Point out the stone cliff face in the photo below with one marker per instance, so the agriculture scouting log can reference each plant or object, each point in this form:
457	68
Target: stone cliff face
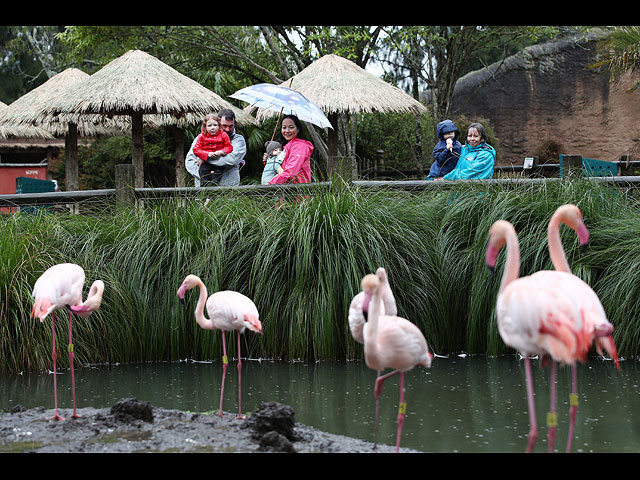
549	92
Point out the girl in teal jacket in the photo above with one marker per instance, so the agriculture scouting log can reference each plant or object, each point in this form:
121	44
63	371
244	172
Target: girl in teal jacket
477	157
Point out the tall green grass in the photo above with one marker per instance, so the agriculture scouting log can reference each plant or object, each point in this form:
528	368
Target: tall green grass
302	264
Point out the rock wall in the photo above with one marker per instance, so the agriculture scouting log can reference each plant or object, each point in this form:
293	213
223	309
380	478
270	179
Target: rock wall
548	92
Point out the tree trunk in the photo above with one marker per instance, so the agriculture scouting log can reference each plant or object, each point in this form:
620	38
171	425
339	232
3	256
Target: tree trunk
181	173
332	144
71	157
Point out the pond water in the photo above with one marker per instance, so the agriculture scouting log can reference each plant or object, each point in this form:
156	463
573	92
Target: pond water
470	404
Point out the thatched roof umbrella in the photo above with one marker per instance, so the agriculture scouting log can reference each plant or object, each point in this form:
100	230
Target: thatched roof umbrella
12	130
338	85
30	109
136	84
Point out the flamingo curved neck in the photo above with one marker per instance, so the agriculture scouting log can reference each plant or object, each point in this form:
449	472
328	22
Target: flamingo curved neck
556	251
371	327
512	264
204	322
389	300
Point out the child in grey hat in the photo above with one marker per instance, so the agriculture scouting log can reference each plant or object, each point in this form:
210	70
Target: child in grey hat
273	165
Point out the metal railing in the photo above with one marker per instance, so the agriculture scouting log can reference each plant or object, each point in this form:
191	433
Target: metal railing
72	200
126	193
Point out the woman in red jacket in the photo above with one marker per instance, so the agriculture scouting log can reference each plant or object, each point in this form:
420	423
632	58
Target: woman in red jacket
296	165
210	144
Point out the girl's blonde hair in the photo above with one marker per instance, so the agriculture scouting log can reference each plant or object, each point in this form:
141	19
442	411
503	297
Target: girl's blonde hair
210	116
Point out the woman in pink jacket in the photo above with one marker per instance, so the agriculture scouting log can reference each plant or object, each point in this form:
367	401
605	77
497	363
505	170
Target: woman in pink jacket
297	161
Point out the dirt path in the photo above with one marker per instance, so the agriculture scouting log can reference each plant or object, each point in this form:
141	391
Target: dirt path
134	426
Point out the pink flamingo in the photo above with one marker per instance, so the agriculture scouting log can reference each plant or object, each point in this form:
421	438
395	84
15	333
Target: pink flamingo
57	288
228	310
390	342
541	314
598	325
357	321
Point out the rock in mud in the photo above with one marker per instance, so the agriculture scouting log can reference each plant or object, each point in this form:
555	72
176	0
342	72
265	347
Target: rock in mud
129	410
273	426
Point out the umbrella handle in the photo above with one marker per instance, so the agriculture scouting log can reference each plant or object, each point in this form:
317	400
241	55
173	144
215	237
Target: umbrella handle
280	116
276	127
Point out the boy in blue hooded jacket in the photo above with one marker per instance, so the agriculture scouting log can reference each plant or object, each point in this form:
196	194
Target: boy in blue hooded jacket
447	150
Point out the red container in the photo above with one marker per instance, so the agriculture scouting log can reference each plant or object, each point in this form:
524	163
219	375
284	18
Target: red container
10	171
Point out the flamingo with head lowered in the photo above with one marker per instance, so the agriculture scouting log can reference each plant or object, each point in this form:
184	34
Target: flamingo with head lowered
58	288
228	311
390	342
549	313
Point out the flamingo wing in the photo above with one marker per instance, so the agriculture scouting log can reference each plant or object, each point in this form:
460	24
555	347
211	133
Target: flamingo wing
356	318
401	343
58	287
544	314
231	310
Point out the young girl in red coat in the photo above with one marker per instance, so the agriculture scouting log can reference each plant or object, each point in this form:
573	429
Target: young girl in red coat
211	144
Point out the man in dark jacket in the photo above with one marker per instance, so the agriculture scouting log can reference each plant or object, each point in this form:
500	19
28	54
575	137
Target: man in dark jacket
447	150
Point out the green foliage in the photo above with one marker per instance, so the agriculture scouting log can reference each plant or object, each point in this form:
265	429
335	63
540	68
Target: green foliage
395	134
302	264
620	52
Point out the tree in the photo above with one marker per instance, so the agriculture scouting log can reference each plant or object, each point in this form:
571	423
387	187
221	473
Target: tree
620	52
436	56
253	54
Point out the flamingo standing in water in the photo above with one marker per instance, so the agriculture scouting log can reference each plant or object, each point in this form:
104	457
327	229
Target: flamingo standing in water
549	313
390	342
598	325
357	321
228	310
57	288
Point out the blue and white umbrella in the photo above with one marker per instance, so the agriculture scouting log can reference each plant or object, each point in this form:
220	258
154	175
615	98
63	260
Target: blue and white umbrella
284	100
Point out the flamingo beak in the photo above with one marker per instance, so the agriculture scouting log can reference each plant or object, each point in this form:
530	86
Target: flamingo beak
181	291
583	237
365	305
490	258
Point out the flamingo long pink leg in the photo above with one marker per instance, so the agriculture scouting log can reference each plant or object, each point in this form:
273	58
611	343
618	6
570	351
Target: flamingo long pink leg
239	380
573	401
54	356
73	379
225	364
402	408
533	426
377	414
377	391
552	417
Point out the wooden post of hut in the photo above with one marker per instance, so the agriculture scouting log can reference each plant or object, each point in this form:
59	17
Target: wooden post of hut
332	144
345	168
71	157
181	172
125	180
137	150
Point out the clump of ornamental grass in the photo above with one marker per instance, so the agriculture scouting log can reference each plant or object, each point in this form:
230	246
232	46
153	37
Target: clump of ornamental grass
302	264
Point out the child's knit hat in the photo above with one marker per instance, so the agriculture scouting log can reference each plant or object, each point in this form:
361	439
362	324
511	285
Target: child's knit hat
271	146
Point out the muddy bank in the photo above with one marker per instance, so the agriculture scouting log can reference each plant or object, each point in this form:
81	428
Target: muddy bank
132	426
